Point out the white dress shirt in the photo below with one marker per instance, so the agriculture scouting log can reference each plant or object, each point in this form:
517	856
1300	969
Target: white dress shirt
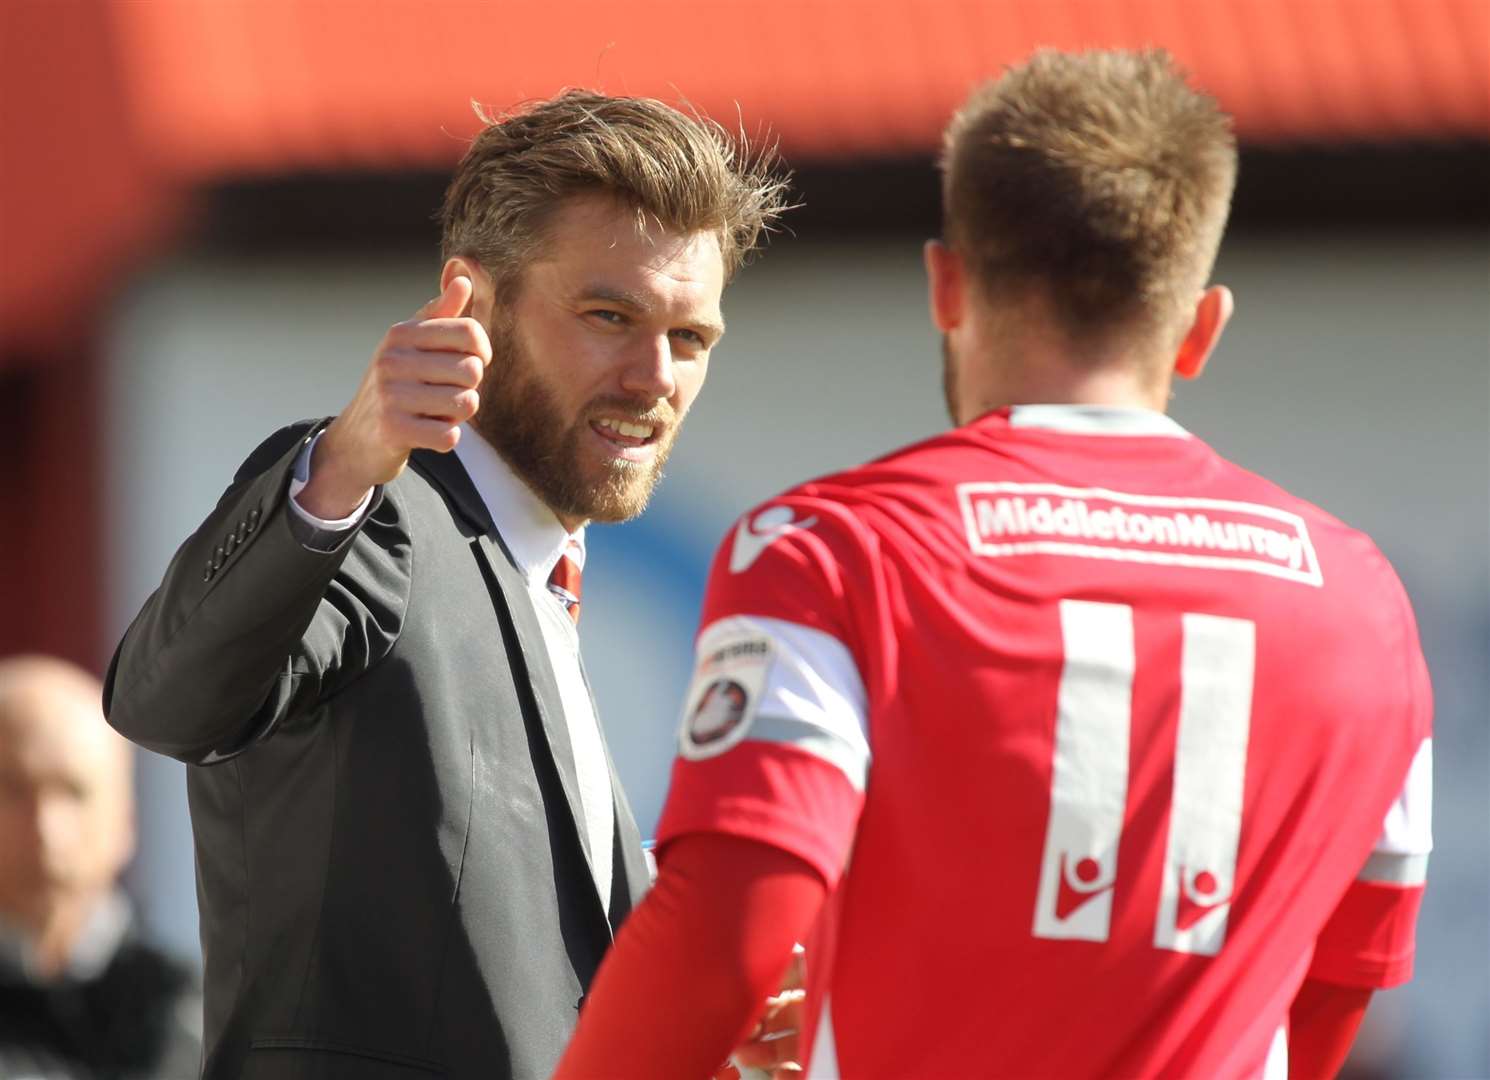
536	539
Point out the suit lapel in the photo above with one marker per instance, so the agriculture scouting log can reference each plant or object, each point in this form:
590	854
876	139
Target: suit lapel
446	471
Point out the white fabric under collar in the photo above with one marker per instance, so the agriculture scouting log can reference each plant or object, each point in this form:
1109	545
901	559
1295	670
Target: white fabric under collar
532	533
1095	420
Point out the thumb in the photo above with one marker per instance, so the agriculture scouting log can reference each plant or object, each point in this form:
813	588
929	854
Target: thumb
451	303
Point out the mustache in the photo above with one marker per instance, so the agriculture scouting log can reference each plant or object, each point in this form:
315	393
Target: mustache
653	412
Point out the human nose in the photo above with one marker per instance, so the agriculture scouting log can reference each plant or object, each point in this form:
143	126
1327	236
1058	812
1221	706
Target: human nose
649	369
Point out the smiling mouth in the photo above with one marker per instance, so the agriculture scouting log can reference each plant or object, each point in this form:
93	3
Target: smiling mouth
627	433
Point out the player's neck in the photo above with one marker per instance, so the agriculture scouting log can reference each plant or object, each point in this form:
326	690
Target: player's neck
1032	368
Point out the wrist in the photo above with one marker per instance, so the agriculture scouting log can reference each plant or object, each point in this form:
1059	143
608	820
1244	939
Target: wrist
332	491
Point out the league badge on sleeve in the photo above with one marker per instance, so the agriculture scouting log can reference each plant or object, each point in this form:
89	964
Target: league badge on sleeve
718	712
728	681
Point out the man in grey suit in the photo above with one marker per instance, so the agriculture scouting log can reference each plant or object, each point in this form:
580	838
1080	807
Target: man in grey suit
412	849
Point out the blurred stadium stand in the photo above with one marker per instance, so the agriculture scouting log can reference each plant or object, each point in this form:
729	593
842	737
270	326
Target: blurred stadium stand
171	151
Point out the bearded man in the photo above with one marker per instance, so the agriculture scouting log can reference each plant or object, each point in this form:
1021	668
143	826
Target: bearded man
412	848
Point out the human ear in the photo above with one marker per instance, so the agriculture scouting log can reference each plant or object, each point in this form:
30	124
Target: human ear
482	289
946	280
1212	312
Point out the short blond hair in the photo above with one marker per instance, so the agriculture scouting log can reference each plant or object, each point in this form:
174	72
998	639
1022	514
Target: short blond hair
1101	176
682	171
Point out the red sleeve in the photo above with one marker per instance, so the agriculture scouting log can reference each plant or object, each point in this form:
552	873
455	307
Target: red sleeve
1370	937
1322	1024
774	744
693	965
1369	940
769	792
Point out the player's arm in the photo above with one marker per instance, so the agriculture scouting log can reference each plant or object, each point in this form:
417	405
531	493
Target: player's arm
1369	941
253	624
703	951
762	810
1322	1025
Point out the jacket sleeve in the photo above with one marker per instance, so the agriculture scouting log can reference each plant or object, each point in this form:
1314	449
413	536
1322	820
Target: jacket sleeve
250	629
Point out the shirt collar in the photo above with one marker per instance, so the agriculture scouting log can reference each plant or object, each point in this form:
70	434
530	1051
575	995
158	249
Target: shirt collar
532	532
1095	420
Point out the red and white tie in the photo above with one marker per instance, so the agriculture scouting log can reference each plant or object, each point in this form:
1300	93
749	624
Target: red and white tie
564	581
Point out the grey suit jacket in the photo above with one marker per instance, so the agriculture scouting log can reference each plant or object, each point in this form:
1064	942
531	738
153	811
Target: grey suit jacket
391	865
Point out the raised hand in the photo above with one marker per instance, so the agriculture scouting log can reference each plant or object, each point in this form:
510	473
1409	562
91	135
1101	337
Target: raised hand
417	391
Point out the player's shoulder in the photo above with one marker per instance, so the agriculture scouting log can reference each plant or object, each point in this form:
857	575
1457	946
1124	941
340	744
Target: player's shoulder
842	506
1350	560
1362	591
1326	525
817	522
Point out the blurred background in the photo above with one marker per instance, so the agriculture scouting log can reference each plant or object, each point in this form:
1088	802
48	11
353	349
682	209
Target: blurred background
211	210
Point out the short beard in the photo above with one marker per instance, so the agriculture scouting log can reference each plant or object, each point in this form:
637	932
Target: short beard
521	419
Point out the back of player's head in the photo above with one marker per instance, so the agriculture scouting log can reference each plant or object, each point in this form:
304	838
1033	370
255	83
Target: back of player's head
682	171
1100	176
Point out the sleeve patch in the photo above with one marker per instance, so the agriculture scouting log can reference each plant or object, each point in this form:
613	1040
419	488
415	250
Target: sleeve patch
729	680
775	681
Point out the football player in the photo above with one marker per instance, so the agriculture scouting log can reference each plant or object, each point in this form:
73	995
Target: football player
1072	748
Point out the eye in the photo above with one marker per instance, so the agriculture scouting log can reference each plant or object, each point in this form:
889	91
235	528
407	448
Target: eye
606	316
692	338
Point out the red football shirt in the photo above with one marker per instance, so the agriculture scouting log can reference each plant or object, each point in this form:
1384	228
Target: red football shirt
1103	742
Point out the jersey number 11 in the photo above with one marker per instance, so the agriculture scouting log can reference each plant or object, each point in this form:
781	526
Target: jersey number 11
1089	785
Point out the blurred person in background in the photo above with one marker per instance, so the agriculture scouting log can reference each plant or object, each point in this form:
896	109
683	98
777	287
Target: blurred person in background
412	847
1095	754
80	995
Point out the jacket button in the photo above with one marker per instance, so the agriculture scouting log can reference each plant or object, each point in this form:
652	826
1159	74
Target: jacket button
253	519
230	543
217	557
207	573
242	533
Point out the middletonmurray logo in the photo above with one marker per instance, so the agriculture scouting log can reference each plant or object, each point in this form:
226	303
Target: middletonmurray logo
1093	523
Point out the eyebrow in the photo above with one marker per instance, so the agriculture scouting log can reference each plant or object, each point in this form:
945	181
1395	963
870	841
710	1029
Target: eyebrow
641	304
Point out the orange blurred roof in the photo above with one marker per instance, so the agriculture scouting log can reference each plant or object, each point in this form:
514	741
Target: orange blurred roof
251	85
114	108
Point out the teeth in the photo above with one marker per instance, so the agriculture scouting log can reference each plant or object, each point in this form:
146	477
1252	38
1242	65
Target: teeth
630	430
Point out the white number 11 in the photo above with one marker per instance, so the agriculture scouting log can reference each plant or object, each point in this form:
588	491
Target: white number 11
1089	784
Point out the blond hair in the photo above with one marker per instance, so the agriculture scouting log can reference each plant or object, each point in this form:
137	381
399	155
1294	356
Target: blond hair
682	171
1101	176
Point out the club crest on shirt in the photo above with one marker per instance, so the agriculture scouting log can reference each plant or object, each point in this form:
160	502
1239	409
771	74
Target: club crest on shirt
728	681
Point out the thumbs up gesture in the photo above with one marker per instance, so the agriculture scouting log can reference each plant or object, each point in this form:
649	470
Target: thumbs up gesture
418	390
